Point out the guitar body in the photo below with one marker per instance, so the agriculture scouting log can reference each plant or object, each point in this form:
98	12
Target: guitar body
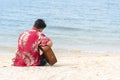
49	55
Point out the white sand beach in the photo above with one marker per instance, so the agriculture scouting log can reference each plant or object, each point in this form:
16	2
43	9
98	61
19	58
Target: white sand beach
77	66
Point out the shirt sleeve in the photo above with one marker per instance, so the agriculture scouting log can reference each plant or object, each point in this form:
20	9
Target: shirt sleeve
43	40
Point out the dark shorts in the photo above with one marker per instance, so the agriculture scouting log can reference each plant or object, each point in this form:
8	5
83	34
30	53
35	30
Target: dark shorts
43	61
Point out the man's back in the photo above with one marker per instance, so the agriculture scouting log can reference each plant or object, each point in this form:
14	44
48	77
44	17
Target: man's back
28	41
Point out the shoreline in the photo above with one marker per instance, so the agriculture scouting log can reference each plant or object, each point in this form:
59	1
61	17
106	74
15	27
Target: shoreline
12	50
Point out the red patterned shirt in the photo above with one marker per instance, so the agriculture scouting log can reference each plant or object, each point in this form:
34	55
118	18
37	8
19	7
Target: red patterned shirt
27	53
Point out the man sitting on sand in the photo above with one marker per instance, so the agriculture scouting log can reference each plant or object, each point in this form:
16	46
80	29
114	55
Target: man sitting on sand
28	42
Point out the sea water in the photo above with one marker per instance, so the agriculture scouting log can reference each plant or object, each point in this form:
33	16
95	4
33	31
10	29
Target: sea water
90	25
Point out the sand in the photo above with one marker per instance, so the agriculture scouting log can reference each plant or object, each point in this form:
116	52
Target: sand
77	66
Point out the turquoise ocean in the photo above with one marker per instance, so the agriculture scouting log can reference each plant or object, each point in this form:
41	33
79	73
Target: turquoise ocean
77	25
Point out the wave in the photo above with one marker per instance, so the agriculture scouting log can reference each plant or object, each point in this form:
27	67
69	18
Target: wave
65	28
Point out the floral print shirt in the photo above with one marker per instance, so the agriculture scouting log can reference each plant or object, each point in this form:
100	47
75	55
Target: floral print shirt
27	51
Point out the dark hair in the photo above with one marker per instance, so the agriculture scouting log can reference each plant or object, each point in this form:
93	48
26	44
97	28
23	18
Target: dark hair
40	24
